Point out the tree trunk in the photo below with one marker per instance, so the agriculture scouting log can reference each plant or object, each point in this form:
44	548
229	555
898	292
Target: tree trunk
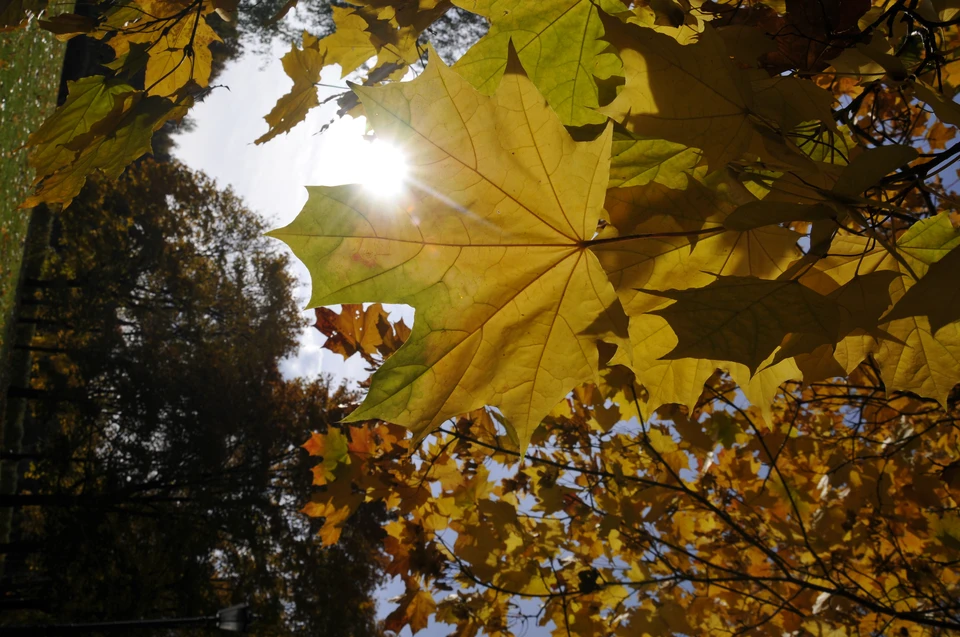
29	393
43	322
8	548
13	501
42	350
11	456
49	284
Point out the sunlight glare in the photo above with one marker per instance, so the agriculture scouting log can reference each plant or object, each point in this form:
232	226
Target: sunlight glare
384	168
351	156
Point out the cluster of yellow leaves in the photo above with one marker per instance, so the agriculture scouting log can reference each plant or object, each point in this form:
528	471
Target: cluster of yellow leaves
162	59
836	513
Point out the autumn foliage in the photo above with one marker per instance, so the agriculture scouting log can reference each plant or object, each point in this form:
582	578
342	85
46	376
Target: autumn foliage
685	278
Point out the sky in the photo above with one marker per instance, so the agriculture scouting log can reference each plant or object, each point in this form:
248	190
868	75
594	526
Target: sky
271	178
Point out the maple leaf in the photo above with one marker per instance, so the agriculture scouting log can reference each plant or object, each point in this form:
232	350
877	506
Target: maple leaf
679	240
351	44
181	54
935	296
416	607
332	448
510	302
103	126
638	161
559	43
743	319
352	330
89	100
334	518
689	94
790	101
303	66
666	381
911	357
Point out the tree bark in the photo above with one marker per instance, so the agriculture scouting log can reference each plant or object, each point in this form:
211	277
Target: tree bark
29	393
8	548
41	350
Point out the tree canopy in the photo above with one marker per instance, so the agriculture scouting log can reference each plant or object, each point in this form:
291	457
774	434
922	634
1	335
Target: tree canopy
687	334
165	470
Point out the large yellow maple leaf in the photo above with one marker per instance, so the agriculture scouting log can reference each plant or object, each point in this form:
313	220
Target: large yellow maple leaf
490	246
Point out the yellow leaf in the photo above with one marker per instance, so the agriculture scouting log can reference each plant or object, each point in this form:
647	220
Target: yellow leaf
353	330
303	66
912	358
790	101
181	54
743	319
668	450
85	139
334	518
919	360
510	302
666	381
416	608
351	44
89	100
691	94
761	388
669	224
935	296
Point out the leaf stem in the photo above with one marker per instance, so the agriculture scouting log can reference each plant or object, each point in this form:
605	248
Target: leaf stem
653	235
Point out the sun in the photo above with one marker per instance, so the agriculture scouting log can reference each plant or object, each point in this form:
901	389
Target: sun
384	168
348	154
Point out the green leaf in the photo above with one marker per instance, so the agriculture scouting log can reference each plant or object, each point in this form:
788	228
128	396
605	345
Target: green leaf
103	127
639	161
559	43
89	100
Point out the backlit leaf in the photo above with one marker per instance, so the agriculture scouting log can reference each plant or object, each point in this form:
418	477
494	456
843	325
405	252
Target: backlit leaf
87	135
936	295
181	54
510	305
303	66
691	94
743	319
559	43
